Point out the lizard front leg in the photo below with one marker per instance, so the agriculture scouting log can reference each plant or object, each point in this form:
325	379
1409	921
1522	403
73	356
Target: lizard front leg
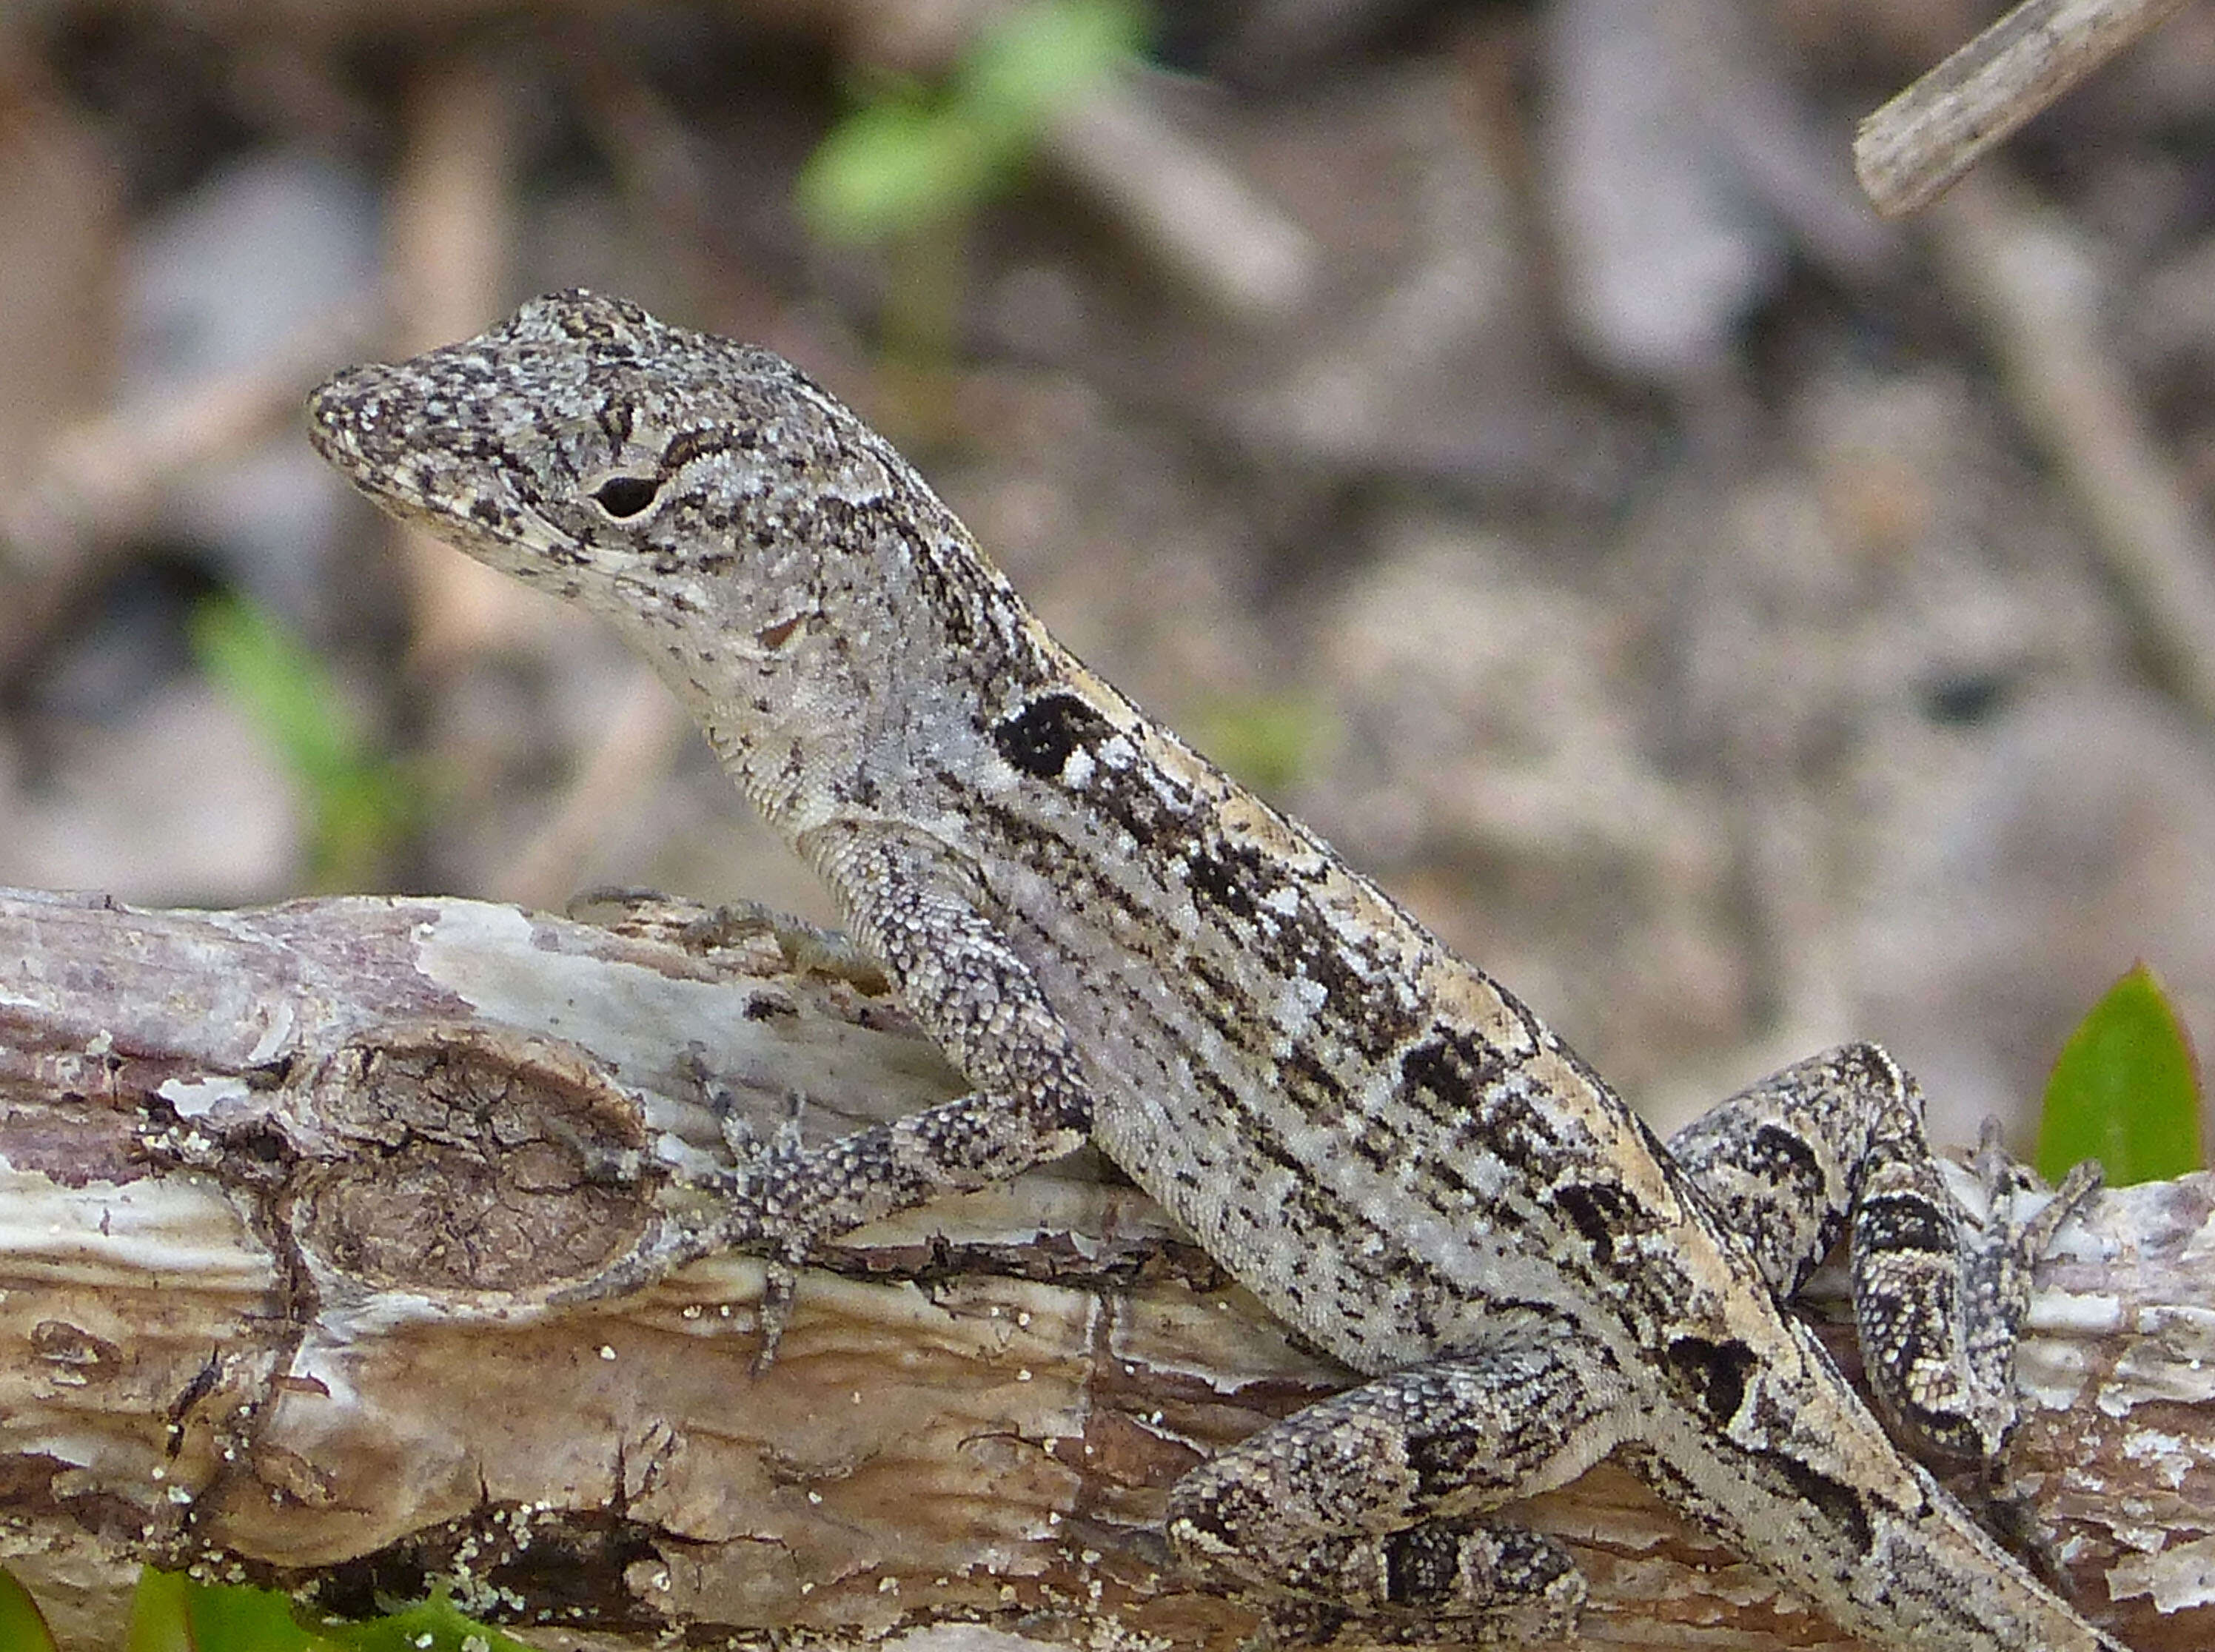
1837	1141
979	1001
1370	1508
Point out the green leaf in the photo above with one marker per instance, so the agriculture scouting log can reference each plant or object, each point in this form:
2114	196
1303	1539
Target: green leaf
1043	56
2125	1090
232	1618
903	161
891	168
170	1612
22	1628
435	1625
159	1620
359	803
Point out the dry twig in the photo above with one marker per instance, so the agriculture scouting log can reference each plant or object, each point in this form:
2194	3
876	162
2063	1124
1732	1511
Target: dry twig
1912	149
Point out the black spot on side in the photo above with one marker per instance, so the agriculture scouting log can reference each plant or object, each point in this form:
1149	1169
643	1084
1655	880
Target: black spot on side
1600	1213
1902	1221
1373	1018
1442	1459
1450	1458
1422	1567
1453	1079
1713	1372
1220	1003
939	584
1937	1435
1440	1171
1838	1501
1451	1067
1781	1157
1039	739
1227	877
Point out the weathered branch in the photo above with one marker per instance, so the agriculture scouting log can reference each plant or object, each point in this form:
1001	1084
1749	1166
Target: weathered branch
1916	147
315	1224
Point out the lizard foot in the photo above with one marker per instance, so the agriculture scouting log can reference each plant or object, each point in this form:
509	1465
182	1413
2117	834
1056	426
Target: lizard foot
1535	1596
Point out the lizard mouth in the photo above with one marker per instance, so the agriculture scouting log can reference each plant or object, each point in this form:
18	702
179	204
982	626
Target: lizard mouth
342	411
384	440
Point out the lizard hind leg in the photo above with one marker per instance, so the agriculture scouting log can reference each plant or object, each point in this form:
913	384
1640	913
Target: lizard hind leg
1780	1160
1366	1515
2006	1253
1835	1144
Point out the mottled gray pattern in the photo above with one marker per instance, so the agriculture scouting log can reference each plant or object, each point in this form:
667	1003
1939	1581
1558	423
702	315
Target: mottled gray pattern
1115	941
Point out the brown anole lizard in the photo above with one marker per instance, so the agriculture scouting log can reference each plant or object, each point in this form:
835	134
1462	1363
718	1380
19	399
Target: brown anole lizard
1114	942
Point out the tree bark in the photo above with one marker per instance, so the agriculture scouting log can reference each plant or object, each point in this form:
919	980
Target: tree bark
327	1240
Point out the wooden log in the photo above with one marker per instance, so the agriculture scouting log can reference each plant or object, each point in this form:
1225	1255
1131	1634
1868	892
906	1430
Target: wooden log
327	1261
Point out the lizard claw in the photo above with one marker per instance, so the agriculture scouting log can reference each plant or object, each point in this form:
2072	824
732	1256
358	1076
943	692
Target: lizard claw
780	1280
2003	1177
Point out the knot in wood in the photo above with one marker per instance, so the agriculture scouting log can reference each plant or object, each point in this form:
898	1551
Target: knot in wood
465	1160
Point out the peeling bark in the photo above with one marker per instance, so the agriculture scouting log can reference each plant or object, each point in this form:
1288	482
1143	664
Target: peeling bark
321	1231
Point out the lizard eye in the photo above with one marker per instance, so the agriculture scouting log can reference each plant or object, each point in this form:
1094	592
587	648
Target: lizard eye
626	496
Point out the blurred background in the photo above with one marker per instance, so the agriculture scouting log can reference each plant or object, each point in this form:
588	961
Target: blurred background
1500	432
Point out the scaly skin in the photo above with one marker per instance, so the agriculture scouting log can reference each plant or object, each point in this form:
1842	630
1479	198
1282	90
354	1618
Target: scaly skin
1113	939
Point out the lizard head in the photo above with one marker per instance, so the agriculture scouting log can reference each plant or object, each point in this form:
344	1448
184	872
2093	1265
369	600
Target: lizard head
703	495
